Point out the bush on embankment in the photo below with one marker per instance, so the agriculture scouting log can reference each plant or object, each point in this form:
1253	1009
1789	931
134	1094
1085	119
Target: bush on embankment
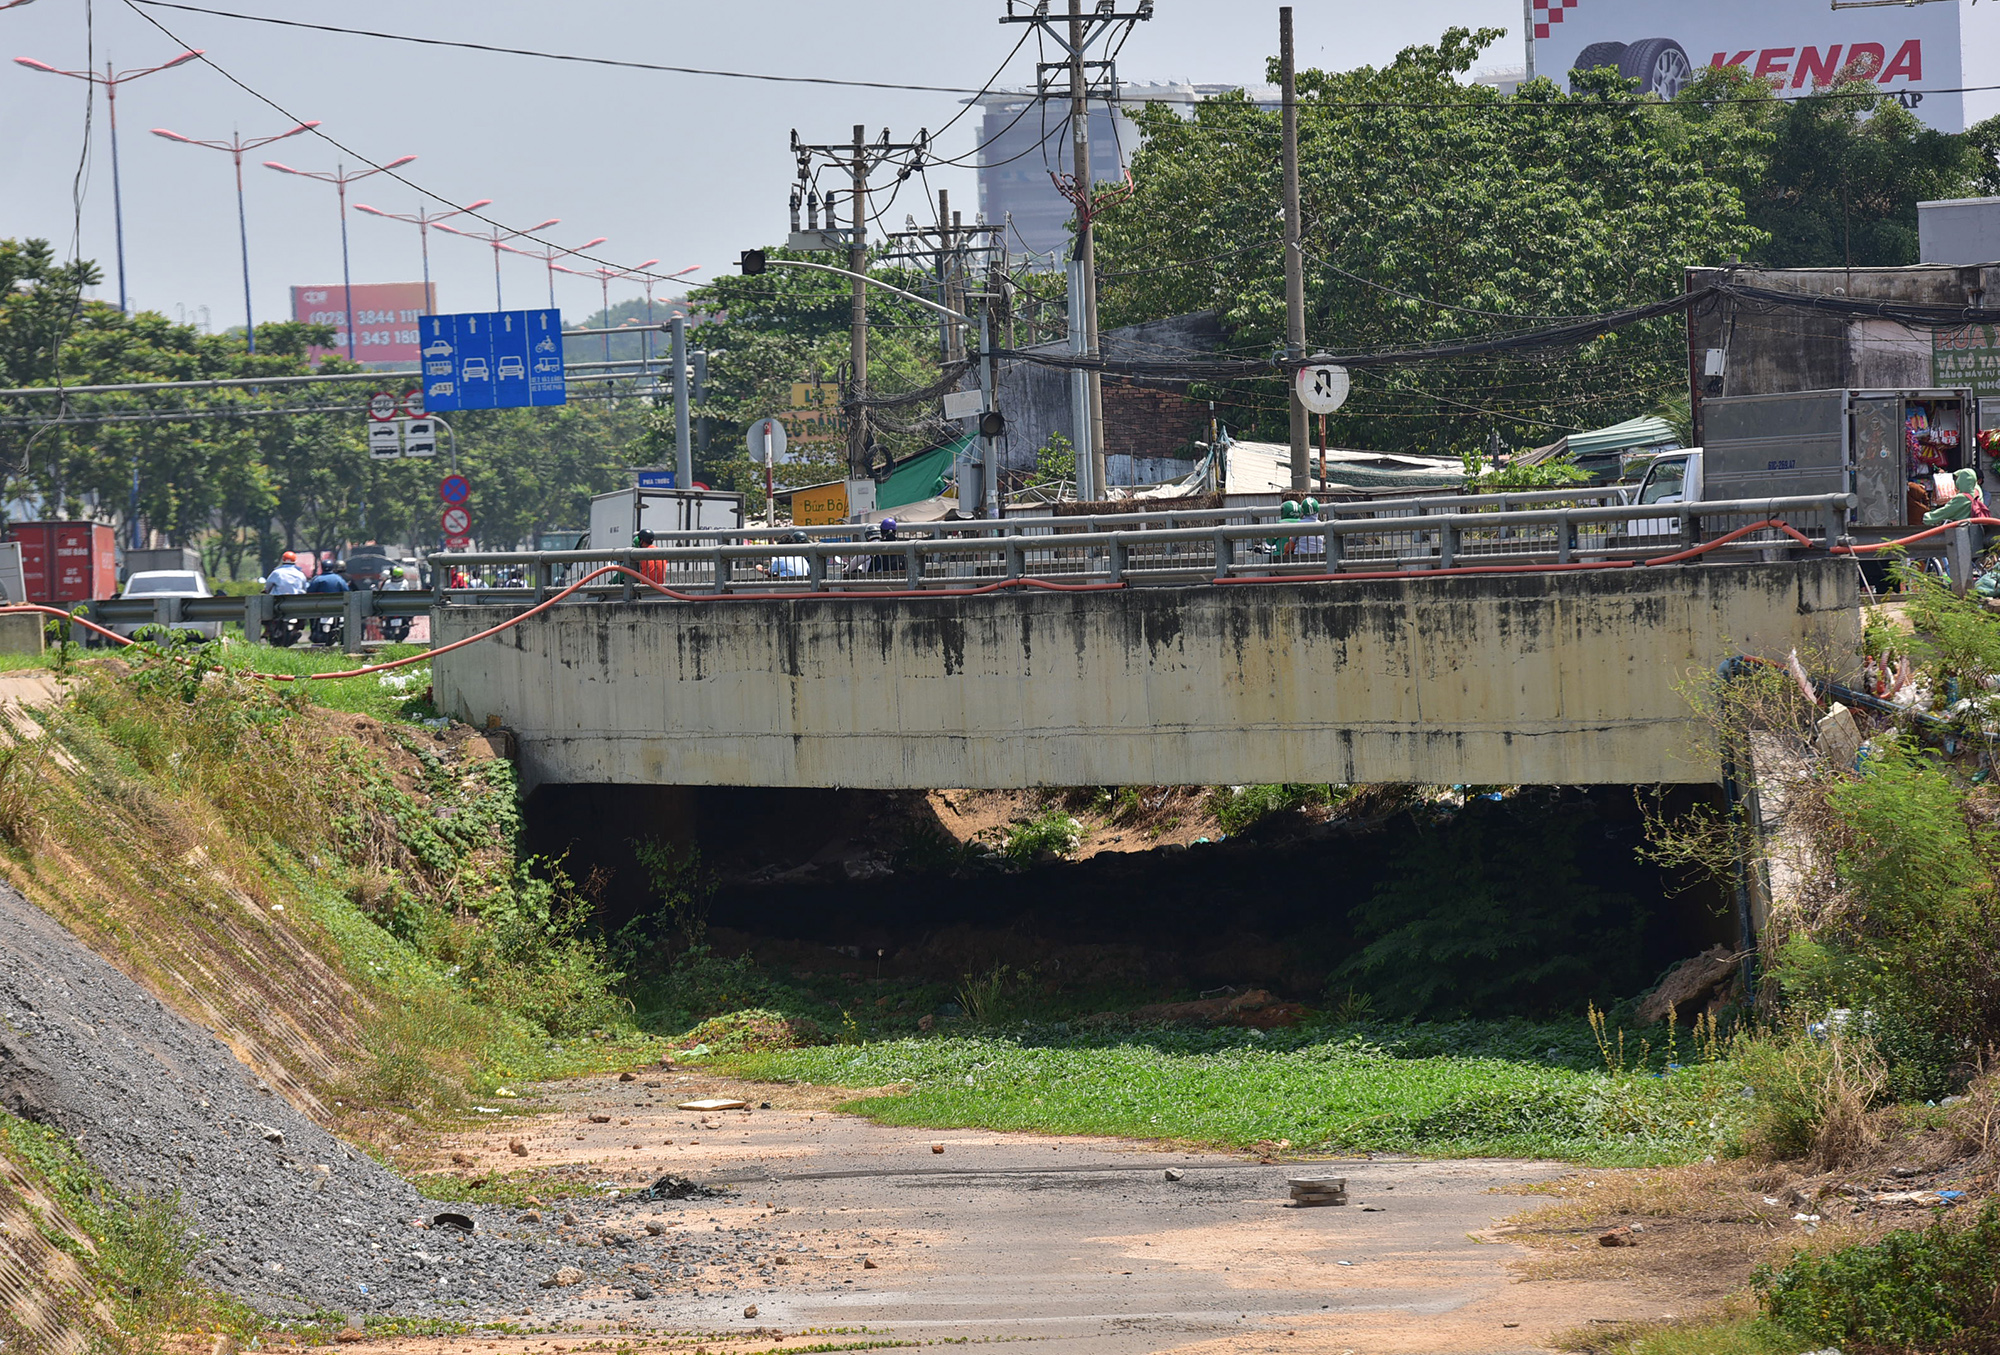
341	899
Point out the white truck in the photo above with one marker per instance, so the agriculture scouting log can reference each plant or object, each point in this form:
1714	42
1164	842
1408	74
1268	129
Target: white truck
1883	446
617	517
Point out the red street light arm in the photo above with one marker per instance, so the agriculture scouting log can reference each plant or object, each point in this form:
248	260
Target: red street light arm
97	79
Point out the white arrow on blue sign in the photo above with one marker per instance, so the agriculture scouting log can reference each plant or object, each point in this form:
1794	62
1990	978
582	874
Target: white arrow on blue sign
492	360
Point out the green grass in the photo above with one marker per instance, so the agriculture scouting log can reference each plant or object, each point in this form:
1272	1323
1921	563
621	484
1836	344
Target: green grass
396	695
1226	1089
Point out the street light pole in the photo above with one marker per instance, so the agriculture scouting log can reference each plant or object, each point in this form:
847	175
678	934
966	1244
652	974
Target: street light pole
111	80
423	221
607	276
549	254
236	146
498	238
340	178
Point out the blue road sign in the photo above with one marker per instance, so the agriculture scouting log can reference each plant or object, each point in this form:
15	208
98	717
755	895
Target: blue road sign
656	479
492	360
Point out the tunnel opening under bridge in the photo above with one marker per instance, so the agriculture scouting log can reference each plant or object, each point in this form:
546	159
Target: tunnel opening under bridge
1402	903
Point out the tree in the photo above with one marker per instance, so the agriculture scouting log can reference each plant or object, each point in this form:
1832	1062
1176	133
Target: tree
1845	171
1436	211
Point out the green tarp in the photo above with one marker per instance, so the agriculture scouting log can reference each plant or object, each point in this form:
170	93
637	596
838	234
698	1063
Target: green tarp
923	476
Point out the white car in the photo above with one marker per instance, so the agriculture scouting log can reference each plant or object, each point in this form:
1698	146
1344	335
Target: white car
476	370
169	583
513	367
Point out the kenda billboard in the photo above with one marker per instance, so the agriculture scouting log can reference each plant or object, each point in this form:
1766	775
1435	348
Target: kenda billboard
1910	50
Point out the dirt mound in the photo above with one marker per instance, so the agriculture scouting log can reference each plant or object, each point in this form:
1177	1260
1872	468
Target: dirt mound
747	1031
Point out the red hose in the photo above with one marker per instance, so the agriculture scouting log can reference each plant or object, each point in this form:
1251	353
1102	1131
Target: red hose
1007	584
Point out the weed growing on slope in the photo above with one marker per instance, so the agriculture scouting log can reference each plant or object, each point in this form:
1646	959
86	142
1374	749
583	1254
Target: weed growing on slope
141	1250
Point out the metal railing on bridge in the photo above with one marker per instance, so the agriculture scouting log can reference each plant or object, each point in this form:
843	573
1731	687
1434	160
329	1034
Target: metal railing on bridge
1176	547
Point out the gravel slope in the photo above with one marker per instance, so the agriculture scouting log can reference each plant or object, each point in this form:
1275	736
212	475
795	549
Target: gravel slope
293	1220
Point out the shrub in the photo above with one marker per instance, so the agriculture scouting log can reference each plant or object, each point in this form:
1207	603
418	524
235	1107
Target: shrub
1811	1094
1238	809
1051	831
1932	1290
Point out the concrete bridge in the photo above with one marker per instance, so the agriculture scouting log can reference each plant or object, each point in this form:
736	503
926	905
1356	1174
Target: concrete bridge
1426	678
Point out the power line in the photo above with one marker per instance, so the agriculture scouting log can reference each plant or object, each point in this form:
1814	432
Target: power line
560	56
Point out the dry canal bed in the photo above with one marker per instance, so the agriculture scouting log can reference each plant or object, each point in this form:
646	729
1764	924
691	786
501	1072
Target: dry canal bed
1075	1244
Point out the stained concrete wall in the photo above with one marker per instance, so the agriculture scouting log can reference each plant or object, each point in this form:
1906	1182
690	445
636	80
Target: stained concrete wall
1525	679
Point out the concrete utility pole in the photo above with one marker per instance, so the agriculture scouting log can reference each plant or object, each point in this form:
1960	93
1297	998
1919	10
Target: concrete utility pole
1086	248
1076	35
1295	260
683	445
857	341
1528	27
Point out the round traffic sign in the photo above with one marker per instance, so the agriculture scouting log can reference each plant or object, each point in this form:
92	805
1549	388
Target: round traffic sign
456	521
1324	388
381	406
413	403
767	441
456	542
454	489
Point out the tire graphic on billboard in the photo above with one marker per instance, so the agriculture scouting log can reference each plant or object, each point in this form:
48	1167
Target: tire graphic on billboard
1660	65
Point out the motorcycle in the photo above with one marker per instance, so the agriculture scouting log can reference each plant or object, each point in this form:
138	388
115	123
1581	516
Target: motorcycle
326	630
283	631
395	629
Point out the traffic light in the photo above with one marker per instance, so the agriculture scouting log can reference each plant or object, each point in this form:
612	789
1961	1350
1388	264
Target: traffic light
753	263
992	424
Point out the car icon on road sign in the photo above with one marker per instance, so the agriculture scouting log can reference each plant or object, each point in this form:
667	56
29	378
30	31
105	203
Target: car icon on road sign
475	370
438	348
513	368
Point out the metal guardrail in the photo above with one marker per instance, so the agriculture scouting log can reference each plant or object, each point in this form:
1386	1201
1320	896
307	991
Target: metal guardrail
1158	549
354	608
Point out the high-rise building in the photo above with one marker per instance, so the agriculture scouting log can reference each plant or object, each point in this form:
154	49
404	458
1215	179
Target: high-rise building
1023	140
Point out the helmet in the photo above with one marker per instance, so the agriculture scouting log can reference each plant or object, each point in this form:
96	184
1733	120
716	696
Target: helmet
290	557
1289	510
888	525
1311	507
642	538
337	567
395	571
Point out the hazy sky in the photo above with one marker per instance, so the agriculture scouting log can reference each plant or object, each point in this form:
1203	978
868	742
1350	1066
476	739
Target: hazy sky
687	169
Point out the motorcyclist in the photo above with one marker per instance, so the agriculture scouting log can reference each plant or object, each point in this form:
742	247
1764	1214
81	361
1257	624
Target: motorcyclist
287	578
332	579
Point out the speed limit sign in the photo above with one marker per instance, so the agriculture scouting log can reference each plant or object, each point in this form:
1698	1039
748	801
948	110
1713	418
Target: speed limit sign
381	406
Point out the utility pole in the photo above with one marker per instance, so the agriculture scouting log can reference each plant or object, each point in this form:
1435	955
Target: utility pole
1086	247
1076	36
857	339
683	445
859	159
1528	26
1295	261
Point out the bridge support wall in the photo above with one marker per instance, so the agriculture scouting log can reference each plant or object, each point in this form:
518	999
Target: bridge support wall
1568	679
